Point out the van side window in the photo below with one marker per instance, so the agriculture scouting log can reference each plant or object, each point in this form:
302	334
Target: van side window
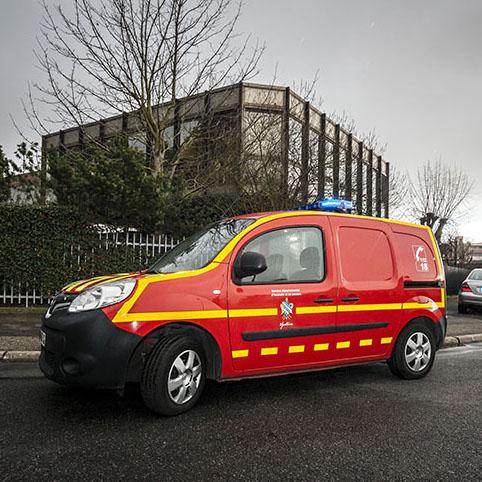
293	255
365	255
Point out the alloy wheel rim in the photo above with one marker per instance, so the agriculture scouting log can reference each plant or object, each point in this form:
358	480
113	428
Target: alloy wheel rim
184	377
418	351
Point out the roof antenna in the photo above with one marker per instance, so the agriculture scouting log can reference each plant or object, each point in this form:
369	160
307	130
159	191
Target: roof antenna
230	207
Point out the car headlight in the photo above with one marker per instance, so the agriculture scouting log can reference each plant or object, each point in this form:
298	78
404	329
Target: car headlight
102	295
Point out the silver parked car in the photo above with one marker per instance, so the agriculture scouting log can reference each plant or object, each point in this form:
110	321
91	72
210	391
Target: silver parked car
470	293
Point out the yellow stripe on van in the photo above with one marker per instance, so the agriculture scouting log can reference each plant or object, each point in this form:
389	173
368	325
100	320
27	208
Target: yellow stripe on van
442	297
306	310
386	341
367	342
343	344
375	307
253	312
412	306
173	316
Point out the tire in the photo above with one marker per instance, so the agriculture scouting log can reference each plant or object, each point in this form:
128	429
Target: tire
462	309
414	352
181	361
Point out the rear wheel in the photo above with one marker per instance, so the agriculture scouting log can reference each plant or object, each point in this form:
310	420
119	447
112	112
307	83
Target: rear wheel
174	375
414	352
462	308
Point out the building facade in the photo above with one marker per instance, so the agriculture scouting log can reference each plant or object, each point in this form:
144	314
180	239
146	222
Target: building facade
276	137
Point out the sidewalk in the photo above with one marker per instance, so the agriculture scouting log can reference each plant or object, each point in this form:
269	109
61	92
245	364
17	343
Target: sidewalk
19	328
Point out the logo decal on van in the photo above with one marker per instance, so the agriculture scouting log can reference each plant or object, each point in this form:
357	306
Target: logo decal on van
421	260
286	313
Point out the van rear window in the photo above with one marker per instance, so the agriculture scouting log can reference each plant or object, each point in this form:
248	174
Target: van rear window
365	254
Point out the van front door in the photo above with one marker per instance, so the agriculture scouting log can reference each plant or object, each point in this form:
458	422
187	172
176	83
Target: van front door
286	315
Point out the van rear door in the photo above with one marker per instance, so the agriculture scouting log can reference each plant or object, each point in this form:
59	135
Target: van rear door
370	288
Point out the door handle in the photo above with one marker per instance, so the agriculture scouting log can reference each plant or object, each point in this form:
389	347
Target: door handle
352	298
323	300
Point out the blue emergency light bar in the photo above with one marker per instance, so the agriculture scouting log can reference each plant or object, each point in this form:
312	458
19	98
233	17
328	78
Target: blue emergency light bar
333	205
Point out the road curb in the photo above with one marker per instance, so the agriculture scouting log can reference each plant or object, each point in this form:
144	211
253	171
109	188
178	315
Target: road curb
19	356
451	341
33	356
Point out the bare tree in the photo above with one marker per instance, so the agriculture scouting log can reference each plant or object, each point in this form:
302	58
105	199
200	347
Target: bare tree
455	252
438	194
115	56
398	186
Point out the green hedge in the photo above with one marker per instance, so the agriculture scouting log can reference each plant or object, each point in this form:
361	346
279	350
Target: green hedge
40	246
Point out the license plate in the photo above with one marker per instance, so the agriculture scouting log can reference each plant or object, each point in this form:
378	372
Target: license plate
43	338
480	289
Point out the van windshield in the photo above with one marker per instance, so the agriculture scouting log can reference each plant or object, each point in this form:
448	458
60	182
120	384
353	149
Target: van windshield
200	249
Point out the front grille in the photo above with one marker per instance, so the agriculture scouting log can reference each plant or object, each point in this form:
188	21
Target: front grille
61	302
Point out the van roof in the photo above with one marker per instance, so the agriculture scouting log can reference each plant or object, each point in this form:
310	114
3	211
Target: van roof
324	213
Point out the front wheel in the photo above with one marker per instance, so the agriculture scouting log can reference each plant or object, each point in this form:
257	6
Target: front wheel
414	352
174	375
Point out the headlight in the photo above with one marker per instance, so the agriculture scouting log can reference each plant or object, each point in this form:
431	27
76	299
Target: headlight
101	296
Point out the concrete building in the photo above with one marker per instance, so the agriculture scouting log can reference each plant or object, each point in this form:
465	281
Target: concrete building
474	250
312	156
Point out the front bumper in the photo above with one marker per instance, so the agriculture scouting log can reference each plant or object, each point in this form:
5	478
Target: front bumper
86	350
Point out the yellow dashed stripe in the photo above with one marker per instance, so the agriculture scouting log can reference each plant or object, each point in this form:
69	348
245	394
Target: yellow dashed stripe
274	350
269	351
240	353
321	347
296	349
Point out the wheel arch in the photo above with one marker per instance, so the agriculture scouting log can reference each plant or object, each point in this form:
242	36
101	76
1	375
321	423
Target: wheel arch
433	326
198	333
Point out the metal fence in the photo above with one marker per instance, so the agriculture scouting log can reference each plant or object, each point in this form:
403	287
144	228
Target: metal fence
148	246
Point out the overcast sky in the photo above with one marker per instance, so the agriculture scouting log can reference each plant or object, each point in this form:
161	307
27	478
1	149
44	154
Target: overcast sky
410	69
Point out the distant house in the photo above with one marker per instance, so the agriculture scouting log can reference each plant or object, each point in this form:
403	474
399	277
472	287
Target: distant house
310	156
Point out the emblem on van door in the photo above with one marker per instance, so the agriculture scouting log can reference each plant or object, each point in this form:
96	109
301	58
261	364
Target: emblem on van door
286	313
421	261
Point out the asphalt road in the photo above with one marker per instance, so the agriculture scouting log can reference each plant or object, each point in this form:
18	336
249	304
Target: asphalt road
357	423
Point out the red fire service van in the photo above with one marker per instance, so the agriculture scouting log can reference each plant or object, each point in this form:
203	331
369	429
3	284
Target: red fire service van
253	296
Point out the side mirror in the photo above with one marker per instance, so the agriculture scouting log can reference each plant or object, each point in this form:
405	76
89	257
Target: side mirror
250	264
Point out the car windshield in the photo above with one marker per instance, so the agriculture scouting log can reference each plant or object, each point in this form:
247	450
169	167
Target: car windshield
200	249
476	275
